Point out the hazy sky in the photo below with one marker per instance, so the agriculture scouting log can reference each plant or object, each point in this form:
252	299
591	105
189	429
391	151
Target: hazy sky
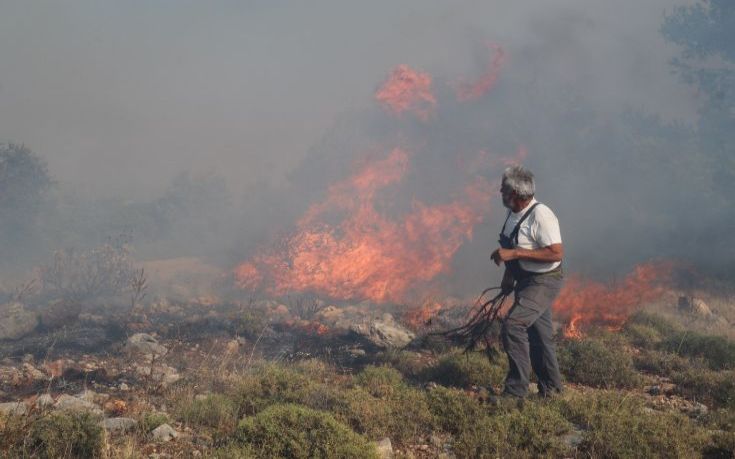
120	96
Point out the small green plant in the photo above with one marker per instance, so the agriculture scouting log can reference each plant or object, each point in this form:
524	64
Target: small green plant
268	384
717	351
149	421
620	425
597	362
65	435
662	363
215	411
299	432
380	381
710	387
465	369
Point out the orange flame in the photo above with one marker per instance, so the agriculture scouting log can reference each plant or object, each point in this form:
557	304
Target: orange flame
585	303
418	317
407	90
368	255
478	88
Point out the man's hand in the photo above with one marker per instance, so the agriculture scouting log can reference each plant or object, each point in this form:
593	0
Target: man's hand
501	255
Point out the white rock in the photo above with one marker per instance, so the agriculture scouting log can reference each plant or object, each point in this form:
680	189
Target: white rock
69	403
164	432
143	343
384	448
119	425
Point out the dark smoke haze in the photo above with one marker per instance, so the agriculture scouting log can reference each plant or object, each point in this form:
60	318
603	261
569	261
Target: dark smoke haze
205	128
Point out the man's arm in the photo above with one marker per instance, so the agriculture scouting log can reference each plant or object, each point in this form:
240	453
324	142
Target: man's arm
549	254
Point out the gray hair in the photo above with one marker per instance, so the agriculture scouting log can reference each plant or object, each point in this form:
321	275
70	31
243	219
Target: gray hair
520	180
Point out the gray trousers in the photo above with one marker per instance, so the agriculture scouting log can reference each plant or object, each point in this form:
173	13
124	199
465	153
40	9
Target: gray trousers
528	336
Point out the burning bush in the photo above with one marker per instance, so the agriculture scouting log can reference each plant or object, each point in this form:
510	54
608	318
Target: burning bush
597	362
299	432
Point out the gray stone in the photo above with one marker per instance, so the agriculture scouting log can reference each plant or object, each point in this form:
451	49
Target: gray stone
13	408
143	343
164	433
16	321
165	375
384	333
119	425
69	403
384	448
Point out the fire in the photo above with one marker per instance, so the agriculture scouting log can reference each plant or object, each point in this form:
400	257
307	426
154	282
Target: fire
593	303
418	317
366	254
476	89
407	90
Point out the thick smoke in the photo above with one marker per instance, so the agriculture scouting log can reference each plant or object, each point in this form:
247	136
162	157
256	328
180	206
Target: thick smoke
623	150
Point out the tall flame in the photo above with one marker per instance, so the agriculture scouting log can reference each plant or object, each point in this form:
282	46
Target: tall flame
367	254
582	303
467	91
407	90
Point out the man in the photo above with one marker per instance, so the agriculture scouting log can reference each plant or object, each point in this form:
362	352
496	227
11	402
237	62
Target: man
531	248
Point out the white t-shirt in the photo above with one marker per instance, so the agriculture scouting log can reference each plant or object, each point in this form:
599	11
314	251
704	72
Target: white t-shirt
540	229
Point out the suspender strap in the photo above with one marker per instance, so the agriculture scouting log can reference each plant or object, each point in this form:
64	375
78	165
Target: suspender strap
514	233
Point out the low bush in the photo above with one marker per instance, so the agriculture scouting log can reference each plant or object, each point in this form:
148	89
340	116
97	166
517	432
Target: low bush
299	432
149	421
268	384
662	363
380	381
64	435
403	416
617	425
215	411
454	411
643	336
597	362
717	351
714	388
466	369
641	320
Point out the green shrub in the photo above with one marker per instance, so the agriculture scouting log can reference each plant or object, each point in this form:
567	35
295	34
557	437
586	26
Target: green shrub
380	381
621	426
643	336
409	363
149	421
597	362
65	435
717	351
532	432
710	387
268	384
466	369
453	410
403	416
215	411
298	432
662	363
654	322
